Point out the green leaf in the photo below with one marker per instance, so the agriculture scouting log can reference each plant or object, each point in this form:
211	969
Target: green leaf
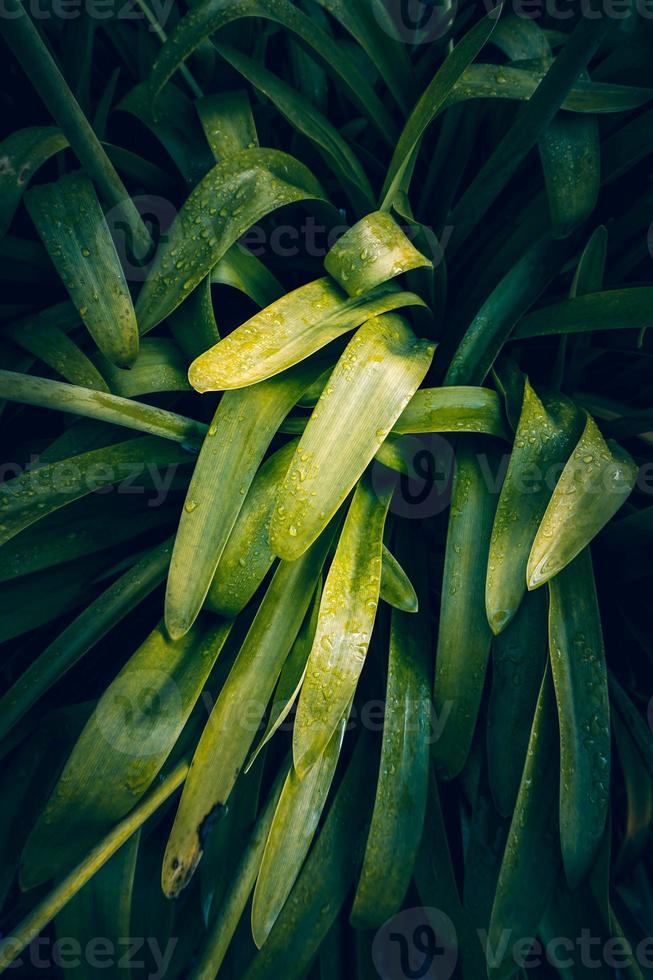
494	322
306	119
176	127
571	160
235	444
38	492
99	617
401	790
396	588
290	330
40	67
580	678
614	309
295	821
531	861
595	482
247	555
160	366
347	613
231	909
374	251
52	346
69	219
232	197
37	919
531	122
58	396
520	84
546	435
210	16
127	739
325	879
519	656
234	721
21	155
242	270
228	123
374	379
454	409
388	55
101	908
431	102
464	635
292	675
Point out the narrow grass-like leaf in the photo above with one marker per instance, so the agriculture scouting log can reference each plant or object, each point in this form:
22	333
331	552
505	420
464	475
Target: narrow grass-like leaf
386	52
634	722
454	409
127	739
28	929
580	678
235	719
21	154
228	122
228	916
38	492
40	67
101	908
292	675
125	594
614	309
247	555
531	862
237	439
401	789
494	322
288	331
595	482
374	251
295	821
347	613
546	435
176	127
58	351
464	635
532	120
571	160
28	602
69	219
396	588
374	379
210	16
58	396
232	197
325	879
520	84
431	102
519	655
306	119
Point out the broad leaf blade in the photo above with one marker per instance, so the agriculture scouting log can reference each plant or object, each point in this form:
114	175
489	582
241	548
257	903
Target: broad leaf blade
595	482
347	613
370	386
85	257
